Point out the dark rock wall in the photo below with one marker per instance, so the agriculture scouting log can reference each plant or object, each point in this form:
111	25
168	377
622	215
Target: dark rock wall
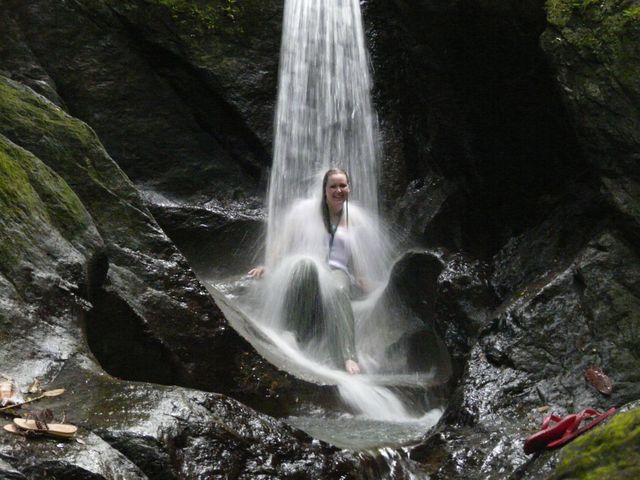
181	99
473	119
511	134
180	95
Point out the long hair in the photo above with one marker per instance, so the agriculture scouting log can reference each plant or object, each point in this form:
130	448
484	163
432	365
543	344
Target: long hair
326	218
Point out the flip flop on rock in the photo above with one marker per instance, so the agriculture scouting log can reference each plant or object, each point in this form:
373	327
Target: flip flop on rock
57	430
11	428
593	418
548	432
46	394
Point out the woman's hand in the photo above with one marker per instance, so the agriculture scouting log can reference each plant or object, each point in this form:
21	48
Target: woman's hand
257	272
351	367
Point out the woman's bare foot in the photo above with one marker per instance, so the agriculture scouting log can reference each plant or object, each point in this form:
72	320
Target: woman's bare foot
351	367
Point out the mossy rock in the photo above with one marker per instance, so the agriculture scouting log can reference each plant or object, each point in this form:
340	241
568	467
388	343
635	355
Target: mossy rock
35	201
595	49
610	451
72	149
607	32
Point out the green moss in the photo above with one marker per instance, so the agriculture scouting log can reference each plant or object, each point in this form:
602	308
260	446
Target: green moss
606	32
632	13
561	12
53	198
610	451
64	143
18	199
33	201
28	110
203	16
19	206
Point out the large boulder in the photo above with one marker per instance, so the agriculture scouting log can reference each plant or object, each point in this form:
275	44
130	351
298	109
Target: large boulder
180	94
138	430
139	281
532	358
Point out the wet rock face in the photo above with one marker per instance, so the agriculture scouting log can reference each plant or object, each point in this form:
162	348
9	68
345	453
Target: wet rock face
169	432
450	296
181	98
583	316
220	239
141	270
531	360
501	143
10	473
594	49
466	96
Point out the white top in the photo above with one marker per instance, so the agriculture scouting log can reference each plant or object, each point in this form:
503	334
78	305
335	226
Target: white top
340	252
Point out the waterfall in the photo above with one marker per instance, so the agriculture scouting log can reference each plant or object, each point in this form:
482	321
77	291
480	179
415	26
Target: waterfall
324	119
324	116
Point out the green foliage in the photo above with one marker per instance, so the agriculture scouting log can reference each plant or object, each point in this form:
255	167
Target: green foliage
609	451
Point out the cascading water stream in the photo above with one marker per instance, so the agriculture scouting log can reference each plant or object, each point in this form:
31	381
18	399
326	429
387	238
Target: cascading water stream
324	116
324	119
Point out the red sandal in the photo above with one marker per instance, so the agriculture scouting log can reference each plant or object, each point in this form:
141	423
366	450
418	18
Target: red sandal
548	432
574	430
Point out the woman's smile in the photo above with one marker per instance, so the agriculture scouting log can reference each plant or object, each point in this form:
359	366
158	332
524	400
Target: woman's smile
337	191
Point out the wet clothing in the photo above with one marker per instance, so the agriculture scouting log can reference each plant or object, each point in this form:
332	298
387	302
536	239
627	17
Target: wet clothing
340	251
312	317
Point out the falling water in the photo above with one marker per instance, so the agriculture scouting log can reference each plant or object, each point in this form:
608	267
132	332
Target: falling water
324	116
324	119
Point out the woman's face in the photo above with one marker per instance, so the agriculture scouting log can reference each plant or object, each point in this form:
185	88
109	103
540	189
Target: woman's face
337	191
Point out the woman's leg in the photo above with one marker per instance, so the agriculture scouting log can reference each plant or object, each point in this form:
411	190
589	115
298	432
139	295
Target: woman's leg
303	303
340	324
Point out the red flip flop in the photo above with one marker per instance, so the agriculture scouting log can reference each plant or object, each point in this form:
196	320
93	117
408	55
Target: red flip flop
574	430
548	432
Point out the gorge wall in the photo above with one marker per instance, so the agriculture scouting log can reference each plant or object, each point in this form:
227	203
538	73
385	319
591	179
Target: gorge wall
511	135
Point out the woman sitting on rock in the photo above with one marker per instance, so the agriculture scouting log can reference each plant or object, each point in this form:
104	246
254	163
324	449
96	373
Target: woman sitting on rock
316	261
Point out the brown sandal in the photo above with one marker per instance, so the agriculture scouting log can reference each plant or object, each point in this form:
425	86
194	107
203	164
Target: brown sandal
57	430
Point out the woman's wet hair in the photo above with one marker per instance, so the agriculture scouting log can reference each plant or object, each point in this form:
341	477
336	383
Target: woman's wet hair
323	204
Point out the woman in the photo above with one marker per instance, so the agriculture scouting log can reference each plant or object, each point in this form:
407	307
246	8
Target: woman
308	314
